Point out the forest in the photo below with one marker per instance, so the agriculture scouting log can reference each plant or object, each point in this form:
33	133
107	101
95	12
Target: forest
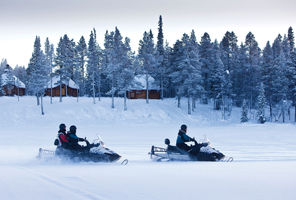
223	73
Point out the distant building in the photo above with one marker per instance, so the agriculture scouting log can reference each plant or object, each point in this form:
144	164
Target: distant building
12	87
139	90
68	87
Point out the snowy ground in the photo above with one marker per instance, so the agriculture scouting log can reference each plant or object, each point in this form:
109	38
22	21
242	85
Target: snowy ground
263	168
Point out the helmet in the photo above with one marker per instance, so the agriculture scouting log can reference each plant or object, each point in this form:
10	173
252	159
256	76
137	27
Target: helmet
167	141
183	127
73	129
62	127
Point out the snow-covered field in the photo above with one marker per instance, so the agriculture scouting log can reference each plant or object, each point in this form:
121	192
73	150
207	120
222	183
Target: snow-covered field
264	164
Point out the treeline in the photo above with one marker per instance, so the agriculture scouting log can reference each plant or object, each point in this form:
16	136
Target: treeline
225	73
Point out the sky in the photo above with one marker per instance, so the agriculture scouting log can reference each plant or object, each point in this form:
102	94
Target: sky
22	20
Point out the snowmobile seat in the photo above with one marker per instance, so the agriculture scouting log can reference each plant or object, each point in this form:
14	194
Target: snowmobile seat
175	149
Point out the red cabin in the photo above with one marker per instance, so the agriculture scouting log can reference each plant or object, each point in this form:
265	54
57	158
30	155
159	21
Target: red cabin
69	88
139	90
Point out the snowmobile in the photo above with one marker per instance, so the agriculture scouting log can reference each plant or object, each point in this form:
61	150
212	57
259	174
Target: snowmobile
173	153
95	152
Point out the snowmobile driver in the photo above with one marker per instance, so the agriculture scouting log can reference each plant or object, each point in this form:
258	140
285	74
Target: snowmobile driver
73	140
183	137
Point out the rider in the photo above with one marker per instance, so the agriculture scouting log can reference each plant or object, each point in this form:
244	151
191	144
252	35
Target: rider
62	140
73	140
183	137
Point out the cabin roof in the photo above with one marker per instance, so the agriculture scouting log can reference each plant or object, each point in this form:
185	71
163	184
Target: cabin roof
140	83
56	82
17	82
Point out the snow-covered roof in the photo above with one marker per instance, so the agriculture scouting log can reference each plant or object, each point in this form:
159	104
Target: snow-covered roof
17	82
56	80
140	83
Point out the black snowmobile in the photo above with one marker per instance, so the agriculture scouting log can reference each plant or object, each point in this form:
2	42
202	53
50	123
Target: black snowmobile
173	153
95	152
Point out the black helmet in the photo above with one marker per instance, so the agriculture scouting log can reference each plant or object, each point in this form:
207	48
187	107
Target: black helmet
73	129
183	127
62	127
167	141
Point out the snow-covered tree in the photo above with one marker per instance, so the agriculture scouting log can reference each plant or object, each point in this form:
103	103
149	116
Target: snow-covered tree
93	64
205	50
261	103
9	79
253	67
268	74
65	61
244	113
49	57
175	69
160	58
291	39
292	81
220	82
39	72
187	74
147	58
79	72
127	73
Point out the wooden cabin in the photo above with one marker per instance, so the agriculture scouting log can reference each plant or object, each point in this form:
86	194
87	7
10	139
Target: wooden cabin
139	89
12	87
69	88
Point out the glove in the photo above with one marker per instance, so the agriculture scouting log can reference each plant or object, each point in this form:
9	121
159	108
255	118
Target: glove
205	144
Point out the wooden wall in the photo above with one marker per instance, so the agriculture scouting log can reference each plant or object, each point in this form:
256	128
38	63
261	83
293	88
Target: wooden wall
141	94
13	90
56	91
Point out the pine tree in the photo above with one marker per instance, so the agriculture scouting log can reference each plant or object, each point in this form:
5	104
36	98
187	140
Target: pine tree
205	50
261	102
187	76
9	79
177	57
280	83
79	72
2	68
292	70
65	61
244	115
216	76
160	57
253	67
92	64
268	75
39	73
127	73
49	56
291	39
147	58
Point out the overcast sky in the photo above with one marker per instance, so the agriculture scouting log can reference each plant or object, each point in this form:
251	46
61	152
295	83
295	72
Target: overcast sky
22	20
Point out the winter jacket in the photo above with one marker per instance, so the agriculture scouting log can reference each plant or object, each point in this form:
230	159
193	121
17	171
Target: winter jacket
63	141
73	141
72	137
182	138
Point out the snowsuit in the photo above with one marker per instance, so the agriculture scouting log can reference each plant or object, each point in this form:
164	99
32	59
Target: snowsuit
181	139
64	142
73	142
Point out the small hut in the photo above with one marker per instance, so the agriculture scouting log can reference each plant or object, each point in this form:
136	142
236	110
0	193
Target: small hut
69	88
139	90
11	85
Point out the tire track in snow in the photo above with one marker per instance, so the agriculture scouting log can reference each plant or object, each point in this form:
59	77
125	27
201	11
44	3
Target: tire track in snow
82	193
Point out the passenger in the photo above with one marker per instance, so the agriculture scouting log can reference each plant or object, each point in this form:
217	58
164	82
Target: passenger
62	140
